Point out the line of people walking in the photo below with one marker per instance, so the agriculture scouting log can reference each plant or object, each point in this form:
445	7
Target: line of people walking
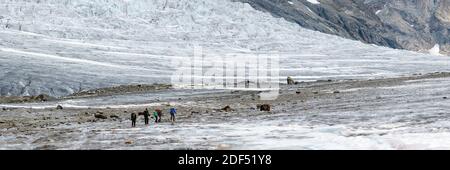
157	115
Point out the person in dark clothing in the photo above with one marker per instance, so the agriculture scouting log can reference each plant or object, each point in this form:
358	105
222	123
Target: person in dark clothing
146	116
172	112
133	119
159	112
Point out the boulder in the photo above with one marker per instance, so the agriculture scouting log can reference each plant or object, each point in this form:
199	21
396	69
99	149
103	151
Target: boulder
114	116
264	107
59	107
42	97
290	81
100	115
227	109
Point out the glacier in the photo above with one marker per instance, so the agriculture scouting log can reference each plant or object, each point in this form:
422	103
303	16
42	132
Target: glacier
59	47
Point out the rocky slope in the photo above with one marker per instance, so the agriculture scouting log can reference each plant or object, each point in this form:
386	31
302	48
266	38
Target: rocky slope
403	24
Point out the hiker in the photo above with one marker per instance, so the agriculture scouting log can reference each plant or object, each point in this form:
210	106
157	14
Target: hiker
155	115
172	112
146	115
159	112
133	119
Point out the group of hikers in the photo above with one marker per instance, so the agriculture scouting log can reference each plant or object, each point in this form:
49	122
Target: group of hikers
157	115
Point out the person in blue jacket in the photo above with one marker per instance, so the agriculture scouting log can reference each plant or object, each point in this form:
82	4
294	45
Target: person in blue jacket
172	112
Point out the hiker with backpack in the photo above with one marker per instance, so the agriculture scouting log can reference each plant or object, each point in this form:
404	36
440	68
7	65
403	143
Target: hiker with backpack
133	119
172	112
146	116
159	114
155	115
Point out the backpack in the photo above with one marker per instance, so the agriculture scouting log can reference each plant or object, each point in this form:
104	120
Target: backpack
173	111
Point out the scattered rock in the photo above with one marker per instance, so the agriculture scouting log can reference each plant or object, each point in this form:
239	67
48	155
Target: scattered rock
235	92
4	109
264	107
114	116
322	81
194	112
129	142
59	107
227	109
335	92
42	97
46	147
223	147
100	115
298	92
247	83
290	81
315	92
444	97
